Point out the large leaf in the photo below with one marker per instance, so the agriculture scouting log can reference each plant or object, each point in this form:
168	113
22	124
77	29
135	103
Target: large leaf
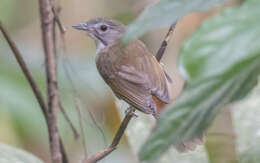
220	63
10	154
164	13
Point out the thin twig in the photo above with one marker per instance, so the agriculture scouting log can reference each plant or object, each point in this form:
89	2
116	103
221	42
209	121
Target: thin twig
62	31
164	44
47	19
100	155
75	133
57	20
74	130
26	71
103	153
123	127
77	96
56	10
63	152
81	128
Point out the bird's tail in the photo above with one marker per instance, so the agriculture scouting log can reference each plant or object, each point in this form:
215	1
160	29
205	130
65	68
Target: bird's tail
184	146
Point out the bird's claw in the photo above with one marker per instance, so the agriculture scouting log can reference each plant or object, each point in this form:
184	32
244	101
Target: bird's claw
130	111
134	114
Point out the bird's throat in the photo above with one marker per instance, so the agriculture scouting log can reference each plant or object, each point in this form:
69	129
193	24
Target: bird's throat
99	45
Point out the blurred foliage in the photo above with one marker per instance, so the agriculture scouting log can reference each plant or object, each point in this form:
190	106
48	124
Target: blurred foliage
124	17
11	154
22	123
10	9
220	63
164	13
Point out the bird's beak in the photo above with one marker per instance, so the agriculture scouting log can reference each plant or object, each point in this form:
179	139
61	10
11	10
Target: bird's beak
81	26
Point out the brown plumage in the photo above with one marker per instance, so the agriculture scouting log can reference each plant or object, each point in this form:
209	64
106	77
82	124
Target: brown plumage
132	72
134	77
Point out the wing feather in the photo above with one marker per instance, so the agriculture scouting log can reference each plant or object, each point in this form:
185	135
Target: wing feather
134	75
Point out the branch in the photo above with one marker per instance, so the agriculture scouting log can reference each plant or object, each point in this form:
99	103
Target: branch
63	153
47	23
100	155
34	87
30	80
123	127
164	44
25	70
103	153
57	19
56	10
74	130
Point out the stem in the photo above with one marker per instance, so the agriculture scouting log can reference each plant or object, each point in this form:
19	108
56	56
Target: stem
164	44
24	68
47	19
103	153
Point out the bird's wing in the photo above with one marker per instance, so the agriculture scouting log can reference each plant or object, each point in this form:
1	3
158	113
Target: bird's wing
146	68
138	77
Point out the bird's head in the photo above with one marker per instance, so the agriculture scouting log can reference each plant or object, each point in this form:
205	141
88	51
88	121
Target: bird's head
104	31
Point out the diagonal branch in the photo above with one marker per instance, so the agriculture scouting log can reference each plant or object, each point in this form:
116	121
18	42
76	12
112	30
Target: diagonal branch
122	127
103	153
65	115
100	155
164	44
26	71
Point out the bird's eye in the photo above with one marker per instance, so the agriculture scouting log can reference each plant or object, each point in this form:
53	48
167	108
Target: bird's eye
103	28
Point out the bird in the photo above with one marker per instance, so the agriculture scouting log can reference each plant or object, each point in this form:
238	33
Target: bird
131	71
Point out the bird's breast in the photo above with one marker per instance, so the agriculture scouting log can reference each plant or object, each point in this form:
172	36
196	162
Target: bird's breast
107	66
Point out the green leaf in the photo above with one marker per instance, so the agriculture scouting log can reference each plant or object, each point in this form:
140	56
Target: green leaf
164	13
220	63
10	154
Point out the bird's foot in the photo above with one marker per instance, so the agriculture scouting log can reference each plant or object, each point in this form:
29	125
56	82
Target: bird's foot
131	111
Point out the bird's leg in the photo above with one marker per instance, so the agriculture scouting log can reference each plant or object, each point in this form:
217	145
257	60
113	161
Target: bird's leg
131	110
